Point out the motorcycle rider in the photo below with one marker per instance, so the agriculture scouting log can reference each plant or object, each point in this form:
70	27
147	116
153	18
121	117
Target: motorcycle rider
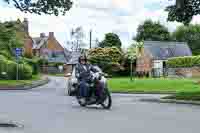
83	74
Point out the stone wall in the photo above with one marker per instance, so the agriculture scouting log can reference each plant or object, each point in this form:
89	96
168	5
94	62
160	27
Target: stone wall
184	72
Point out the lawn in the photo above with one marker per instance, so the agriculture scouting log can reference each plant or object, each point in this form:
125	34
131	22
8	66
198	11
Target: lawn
57	75
192	96
12	83
153	85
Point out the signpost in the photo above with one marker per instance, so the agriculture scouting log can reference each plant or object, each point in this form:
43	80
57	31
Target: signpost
45	53
18	53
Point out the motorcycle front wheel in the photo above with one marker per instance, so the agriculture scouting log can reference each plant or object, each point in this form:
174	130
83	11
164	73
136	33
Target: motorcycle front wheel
81	102
107	102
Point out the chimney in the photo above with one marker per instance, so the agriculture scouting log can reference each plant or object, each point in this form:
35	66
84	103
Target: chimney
26	26
51	34
42	35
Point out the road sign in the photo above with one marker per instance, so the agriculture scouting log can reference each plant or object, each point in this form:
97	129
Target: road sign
18	51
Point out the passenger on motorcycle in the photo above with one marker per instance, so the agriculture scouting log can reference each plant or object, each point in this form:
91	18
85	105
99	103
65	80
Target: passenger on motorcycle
83	73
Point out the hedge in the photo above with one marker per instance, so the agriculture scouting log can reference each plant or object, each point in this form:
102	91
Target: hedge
10	67
34	63
108	59
188	61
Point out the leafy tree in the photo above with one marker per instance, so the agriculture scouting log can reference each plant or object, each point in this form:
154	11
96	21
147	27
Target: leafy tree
183	11
190	34
111	40
153	31
42	6
108	59
9	37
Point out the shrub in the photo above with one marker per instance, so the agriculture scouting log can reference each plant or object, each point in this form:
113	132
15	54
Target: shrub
34	63
11	70
10	67
25	71
3	67
6	54
2	57
188	61
107	58
42	62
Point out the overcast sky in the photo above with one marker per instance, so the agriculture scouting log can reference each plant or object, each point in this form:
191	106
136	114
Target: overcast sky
102	16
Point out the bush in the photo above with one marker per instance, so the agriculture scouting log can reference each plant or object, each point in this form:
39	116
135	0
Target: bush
34	63
6	54
2	57
25	71
107	58
11	70
41	62
3	67
10	67
188	61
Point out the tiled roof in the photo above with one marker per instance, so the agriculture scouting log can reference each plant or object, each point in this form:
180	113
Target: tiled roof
38	42
165	50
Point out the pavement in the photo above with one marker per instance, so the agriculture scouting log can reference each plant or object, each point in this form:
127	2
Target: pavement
47	109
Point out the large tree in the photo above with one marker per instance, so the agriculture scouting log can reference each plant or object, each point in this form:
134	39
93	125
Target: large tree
109	58
190	34
153	31
42	6
11	36
111	40
183	11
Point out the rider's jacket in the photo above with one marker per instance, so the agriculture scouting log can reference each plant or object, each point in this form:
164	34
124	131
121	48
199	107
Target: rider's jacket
83	72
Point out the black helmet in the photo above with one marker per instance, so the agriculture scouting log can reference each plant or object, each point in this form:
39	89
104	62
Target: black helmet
82	57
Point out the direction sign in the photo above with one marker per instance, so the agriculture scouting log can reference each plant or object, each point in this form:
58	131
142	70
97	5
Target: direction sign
18	52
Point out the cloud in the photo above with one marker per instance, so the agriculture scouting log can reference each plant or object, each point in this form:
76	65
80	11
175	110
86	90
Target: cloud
102	16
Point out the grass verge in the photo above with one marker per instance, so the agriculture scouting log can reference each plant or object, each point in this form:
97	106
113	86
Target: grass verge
13	83
161	86
188	96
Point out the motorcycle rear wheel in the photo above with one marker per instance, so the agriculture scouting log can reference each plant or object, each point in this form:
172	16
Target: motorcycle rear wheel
107	102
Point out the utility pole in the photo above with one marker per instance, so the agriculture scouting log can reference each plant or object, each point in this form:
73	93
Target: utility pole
90	39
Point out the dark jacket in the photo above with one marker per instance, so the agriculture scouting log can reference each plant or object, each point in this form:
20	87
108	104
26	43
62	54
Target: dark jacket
84	73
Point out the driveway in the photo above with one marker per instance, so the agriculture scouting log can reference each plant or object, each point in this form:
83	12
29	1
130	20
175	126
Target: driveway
47	110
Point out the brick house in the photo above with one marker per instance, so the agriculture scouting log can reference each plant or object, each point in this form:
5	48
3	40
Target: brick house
49	48
151	59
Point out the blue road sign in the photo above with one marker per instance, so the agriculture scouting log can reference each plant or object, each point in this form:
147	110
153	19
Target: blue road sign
18	51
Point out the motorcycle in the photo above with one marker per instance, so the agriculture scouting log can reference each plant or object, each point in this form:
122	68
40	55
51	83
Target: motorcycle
104	98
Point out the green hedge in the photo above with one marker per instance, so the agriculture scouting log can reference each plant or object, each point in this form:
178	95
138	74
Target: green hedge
10	67
34	63
108	59
188	61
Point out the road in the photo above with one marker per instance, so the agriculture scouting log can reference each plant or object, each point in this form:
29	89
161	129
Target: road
47	110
